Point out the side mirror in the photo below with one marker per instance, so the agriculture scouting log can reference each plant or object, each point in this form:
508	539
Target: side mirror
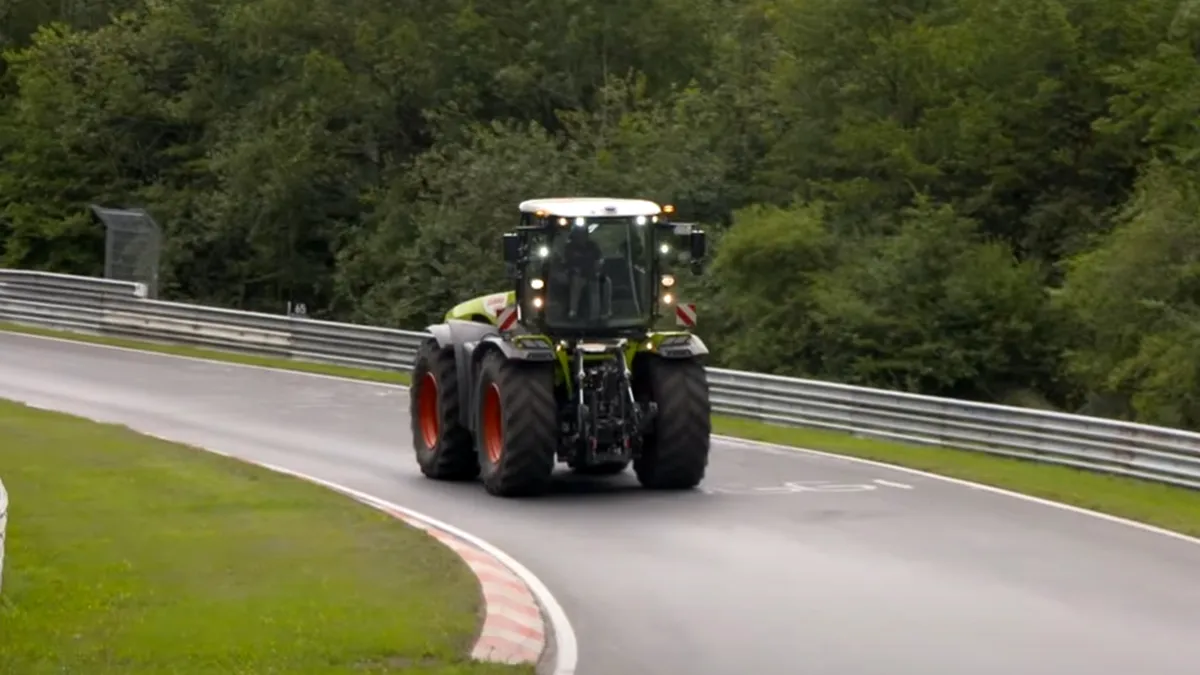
512	248
698	245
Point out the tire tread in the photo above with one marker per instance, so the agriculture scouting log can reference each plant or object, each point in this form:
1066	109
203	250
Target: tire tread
454	458
530	419
675	453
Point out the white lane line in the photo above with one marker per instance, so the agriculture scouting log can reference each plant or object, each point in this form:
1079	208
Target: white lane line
894	484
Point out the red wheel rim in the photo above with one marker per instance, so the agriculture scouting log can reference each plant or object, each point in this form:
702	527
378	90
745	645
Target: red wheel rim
493	424
427	406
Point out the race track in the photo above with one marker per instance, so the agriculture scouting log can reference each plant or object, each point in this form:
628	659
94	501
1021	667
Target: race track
890	573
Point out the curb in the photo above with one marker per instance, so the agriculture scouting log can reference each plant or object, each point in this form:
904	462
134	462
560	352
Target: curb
513	629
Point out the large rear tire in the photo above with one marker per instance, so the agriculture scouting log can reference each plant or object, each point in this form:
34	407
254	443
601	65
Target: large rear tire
675	451
444	448
518	426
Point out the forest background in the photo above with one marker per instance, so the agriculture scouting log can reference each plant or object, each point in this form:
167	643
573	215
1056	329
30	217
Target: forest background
997	201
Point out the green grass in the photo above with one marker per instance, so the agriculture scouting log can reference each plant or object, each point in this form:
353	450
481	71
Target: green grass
1165	506
129	555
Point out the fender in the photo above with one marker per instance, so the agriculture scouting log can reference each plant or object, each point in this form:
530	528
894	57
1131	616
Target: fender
462	337
533	348
471	341
679	346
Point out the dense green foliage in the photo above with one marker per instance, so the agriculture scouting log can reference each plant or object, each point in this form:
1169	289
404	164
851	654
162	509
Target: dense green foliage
989	200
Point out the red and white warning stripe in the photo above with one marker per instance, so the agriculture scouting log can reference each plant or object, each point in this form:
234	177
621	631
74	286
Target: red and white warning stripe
513	631
685	314
507	318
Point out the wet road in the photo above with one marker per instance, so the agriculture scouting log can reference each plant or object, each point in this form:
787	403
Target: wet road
851	569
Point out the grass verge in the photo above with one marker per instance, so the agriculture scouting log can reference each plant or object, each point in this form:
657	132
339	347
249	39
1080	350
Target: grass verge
131	555
1162	505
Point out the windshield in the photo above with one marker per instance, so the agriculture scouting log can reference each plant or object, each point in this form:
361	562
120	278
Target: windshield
596	272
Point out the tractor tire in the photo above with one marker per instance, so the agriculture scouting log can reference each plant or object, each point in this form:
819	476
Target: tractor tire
675	451
605	469
444	447
518	426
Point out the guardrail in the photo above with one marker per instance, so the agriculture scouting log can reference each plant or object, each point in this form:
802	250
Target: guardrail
115	308
3	528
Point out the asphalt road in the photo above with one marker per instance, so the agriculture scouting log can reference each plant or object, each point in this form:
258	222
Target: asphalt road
836	575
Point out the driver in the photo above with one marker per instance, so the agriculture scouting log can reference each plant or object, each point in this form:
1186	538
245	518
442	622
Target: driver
583	259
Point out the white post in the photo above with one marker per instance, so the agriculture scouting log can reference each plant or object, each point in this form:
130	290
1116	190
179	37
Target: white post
3	525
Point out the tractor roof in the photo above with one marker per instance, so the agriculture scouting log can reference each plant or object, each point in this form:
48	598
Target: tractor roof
574	207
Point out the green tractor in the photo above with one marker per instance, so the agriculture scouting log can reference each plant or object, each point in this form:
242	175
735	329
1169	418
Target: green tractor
569	367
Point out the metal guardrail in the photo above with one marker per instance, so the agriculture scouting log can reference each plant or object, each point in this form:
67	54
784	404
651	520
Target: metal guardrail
3	528
115	308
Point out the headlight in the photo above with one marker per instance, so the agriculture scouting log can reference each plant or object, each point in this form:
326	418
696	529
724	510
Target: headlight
544	252
668	281
537	284
537	302
667	298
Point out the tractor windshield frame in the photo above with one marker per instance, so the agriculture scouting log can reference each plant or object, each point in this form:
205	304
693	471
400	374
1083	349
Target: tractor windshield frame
591	276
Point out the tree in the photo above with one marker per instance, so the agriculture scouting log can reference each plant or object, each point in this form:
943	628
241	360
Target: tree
935	308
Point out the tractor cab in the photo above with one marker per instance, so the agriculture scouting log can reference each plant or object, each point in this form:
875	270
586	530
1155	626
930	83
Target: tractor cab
597	267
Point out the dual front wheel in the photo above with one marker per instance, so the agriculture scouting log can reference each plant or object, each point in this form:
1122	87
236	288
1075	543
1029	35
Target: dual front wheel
513	451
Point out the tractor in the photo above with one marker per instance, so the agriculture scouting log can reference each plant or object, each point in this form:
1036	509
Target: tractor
571	365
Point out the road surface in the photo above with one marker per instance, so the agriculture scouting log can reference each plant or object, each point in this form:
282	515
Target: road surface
787	563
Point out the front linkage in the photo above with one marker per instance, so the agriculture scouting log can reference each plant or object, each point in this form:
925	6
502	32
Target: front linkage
603	422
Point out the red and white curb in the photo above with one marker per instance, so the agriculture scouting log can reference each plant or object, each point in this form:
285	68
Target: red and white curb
513	630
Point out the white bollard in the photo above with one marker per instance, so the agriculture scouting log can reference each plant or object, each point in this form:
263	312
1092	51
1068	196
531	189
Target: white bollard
3	525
